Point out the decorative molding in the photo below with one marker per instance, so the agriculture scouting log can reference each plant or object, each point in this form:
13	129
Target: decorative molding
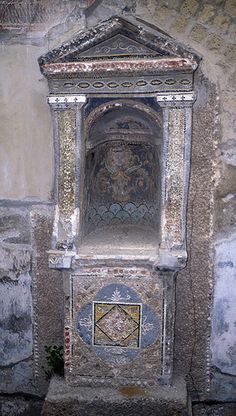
66	99
174	97
145	83
60	261
109	66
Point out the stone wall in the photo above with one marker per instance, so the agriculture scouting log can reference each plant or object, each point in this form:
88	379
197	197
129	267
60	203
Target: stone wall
29	319
32	314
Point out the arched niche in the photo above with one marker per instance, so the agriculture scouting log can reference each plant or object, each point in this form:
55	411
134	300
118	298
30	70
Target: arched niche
122	177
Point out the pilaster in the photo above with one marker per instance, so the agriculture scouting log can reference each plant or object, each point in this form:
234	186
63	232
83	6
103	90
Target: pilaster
68	140
177	128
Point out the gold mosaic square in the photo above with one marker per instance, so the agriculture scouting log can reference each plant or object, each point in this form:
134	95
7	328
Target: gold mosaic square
117	324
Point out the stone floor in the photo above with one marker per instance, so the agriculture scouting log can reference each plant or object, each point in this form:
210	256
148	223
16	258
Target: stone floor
19	406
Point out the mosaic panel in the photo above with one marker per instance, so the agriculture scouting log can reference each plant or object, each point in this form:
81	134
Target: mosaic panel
175	172
117	324
67	125
117	318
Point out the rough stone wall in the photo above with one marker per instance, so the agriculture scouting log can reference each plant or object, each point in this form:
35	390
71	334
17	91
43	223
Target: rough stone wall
30	319
205	334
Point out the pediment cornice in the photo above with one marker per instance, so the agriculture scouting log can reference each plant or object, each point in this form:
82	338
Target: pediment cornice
117	39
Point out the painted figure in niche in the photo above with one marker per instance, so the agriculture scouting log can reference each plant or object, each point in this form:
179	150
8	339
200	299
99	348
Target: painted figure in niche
124	173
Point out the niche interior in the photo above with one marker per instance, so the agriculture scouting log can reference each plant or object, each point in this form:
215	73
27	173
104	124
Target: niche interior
122	177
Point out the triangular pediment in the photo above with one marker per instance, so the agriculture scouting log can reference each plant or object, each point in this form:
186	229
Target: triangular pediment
118	38
118	45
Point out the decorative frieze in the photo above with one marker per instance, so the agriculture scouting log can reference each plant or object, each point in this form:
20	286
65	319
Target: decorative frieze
122	84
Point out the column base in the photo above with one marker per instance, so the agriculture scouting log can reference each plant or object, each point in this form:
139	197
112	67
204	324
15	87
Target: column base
64	400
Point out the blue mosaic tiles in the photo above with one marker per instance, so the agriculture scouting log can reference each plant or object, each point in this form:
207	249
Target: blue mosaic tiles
117	325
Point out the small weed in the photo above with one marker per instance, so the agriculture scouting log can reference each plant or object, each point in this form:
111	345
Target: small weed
55	361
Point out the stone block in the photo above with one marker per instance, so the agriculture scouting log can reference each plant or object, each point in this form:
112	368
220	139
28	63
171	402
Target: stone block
221	22
232	81
230	52
18	378
229	103
14	226
206	14
180	23
16	319
232	32
189	7
19	406
14	261
164	14
224	309
223	386
228	152
214	43
131	401
226	212
198	33
230	7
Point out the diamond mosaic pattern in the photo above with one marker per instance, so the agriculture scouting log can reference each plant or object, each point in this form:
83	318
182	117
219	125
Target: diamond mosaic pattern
116	325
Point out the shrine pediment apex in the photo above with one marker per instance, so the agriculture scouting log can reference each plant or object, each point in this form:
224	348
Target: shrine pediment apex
117	39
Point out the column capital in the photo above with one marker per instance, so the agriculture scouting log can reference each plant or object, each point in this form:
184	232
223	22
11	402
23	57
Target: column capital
176	99
64	101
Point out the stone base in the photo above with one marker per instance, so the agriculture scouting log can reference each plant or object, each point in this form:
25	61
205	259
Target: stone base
64	400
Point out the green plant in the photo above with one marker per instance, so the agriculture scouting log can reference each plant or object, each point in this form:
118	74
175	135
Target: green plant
55	361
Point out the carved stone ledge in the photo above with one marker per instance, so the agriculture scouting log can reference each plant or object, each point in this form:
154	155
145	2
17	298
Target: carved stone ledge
174	260
106	66
66	100
60	259
176	98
